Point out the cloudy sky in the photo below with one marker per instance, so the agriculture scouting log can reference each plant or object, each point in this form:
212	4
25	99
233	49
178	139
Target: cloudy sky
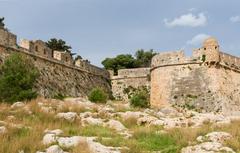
104	28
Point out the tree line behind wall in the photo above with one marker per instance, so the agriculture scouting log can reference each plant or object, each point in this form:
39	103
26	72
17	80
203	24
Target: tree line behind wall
141	58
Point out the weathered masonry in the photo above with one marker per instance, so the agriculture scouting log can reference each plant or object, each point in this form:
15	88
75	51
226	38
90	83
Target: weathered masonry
207	81
128	79
59	73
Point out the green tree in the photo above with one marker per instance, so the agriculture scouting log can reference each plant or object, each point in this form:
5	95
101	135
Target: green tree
119	62
2	23
58	44
17	78
144	58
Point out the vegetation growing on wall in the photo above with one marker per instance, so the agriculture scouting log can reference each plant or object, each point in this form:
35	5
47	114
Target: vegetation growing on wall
142	59
139	97
17	78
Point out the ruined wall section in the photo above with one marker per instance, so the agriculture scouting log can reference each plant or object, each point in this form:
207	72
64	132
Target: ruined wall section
7	39
59	78
229	60
128	79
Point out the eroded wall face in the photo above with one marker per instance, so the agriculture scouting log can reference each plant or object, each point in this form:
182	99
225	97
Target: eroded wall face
127	79
58	78
198	87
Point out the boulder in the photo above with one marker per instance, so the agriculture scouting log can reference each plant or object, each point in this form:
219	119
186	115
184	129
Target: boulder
207	147
146	120
96	147
129	115
49	139
54	149
92	121
3	129
219	137
56	132
69	116
116	125
17	105
69	142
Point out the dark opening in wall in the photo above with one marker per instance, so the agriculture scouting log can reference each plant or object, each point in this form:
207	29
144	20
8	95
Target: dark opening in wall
36	48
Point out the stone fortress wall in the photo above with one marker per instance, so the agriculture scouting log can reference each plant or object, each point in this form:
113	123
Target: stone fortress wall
129	78
209	80
59	73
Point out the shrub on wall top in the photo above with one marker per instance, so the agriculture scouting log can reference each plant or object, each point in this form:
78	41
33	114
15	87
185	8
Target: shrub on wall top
17	78
97	95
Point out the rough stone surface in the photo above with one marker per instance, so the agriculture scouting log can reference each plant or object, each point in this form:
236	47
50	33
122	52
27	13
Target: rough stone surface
56	76
17	105
54	149
69	116
69	142
192	84
3	129
116	125
129	78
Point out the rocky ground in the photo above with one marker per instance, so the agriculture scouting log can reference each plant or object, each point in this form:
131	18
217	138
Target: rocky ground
76	125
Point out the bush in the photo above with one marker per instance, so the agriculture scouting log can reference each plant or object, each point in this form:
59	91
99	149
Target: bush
97	95
17	78
140	98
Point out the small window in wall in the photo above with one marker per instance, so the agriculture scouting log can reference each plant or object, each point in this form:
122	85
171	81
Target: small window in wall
66	59
216	47
44	52
205	48
36	48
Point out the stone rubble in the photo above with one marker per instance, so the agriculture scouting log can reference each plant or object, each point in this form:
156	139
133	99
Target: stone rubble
210	143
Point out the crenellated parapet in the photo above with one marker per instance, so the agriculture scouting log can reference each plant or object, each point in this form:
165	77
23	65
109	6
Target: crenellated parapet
39	49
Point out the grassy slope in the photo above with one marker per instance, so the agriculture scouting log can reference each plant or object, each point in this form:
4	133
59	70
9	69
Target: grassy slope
144	138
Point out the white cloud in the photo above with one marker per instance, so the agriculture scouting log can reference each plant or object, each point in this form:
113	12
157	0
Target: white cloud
187	20
235	19
198	39
192	9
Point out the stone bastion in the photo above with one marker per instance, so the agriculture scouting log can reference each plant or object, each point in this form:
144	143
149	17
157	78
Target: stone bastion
207	81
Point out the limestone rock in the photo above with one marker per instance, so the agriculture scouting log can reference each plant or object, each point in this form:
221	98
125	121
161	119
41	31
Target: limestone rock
207	147
92	121
49	139
3	129
69	142
146	120
56	132
96	147
116	125
54	149
17	105
69	116
129	115
170	111
219	137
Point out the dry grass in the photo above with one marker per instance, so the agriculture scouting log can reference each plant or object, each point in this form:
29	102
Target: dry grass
144	138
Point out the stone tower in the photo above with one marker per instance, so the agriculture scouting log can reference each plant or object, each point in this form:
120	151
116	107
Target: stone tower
211	51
